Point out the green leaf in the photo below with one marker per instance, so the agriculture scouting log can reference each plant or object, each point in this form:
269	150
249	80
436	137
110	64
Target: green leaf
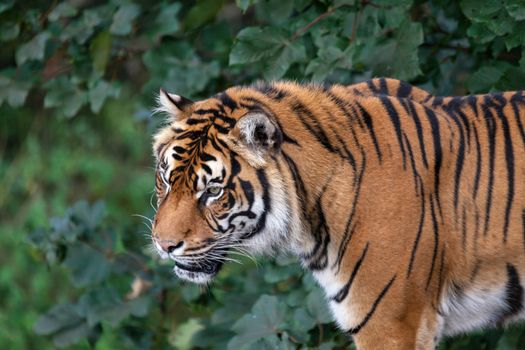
511	339
275	11
71	335
100	50
265	319
501	23
480	13
166	21
32	50
317	306
63	94
233	308
99	92
63	10
177	68
6	5
516	9
86	265
103	304
328	60
397	57
60	316
269	46
290	53
139	307
203	12
272	342
481	33
303	319
181	339
244	4
13	92
64	323
484	78
9	31
254	44
123	19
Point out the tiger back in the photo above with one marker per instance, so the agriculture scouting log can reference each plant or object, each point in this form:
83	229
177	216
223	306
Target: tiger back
409	209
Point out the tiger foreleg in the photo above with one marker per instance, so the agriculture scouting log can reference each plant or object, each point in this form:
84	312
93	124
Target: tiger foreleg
419	331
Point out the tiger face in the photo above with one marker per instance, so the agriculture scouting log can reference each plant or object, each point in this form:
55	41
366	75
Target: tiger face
212	185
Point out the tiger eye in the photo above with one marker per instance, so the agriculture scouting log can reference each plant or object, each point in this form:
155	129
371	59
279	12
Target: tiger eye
215	190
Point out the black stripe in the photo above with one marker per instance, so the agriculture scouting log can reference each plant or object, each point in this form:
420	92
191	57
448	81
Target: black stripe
440	274
417	122
436	139
513	293
418	236
491	134
394	117
372	87
523	224
270	91
351	116
261	223
319	255
438	101
343	292
349	232
464	229
311	123
509	159
383	86
460	158
370	126
356	329
193	121
415	173
513	101
205	157
349	156
478	163
300	187
404	90
436	241
213	111
473	102
227	101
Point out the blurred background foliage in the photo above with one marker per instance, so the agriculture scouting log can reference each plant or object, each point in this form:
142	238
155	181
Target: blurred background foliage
77	84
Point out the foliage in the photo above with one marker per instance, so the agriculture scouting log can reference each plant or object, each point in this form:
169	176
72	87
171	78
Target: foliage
77	81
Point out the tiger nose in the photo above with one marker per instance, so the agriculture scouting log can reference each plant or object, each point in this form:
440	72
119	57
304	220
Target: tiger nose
170	246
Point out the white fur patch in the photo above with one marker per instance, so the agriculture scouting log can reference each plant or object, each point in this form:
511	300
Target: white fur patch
472	308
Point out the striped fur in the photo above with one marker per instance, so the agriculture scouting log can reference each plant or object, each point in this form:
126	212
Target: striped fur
409	209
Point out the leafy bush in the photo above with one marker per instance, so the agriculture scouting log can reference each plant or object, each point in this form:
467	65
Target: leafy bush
77	80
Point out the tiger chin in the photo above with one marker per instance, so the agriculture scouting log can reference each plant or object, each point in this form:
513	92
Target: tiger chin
408	208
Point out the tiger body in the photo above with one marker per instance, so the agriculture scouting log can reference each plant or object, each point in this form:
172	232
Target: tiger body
409	209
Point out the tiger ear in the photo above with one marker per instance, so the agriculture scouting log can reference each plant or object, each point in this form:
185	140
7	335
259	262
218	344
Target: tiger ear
257	137
175	106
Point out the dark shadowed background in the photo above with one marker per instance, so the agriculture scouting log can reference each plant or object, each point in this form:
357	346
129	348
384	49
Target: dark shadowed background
77	84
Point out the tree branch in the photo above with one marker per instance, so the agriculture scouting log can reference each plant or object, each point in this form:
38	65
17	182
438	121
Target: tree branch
307	27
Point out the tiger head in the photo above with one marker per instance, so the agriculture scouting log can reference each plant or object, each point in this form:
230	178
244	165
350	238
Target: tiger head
217	184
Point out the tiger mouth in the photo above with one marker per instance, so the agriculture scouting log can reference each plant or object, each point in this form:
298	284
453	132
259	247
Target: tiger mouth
207	267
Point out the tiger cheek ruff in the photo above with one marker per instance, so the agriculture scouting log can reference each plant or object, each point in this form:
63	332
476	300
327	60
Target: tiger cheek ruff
409	209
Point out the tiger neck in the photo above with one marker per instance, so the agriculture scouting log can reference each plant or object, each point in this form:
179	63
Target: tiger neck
319	186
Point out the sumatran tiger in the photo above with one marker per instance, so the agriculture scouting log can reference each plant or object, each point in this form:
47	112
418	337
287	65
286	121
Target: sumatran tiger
408	208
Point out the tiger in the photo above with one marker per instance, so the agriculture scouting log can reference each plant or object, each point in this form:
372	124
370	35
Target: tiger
408	208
